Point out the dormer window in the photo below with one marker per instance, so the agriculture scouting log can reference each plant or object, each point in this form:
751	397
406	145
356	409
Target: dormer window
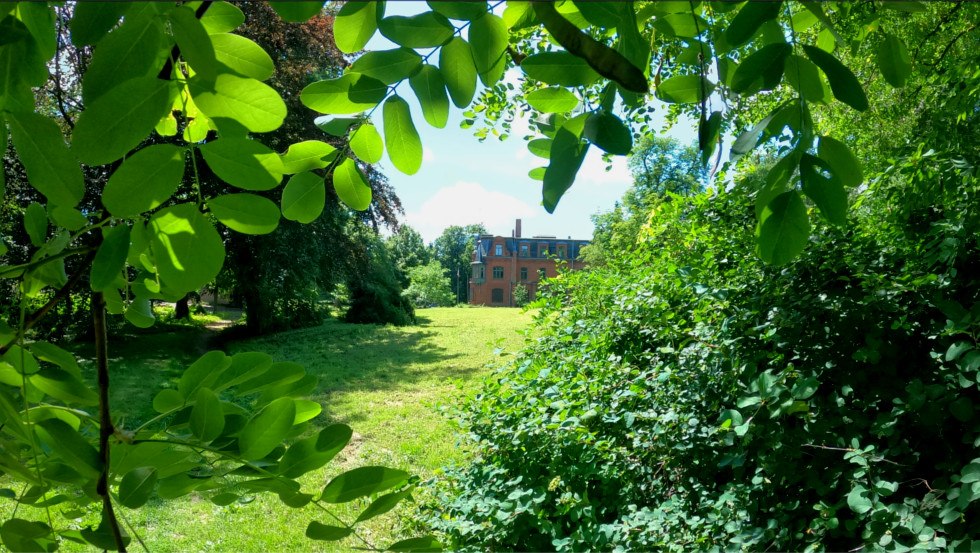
498	249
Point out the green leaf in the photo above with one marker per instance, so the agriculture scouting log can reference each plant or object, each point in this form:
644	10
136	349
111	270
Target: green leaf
335	126
91	21
203	373
749	19
430	89
388	66
146	180
971	472
188	251
242	56
859	500
355	24
559	68
244	366
296	12
603	14
64	386
136	486
167	400
250	102
277	374
194	42
51	168
401	139
70	446
609	133
51	353
893	60
554	99
36	223
383	504
246	213
463	11
120	119
458	69
207	417
314	452
23	535
804	76
134	49
362	482
68	217
324	532
567	154
307	156
784	229
140	313
425	30
826	192
748	140
765	64
366	143
426	544
540	147
110	257
303	198
306	409
351	93
843	164
681	25
489	39
222	17
351	186
684	89
267	429
843	83
244	163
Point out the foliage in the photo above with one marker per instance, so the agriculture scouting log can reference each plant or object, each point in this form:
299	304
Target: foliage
375	293
521	295
430	287
454	250
407	249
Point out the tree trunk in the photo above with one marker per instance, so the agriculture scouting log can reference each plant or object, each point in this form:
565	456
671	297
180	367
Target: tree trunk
182	309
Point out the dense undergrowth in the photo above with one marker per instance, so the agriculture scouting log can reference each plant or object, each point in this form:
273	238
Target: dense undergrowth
688	397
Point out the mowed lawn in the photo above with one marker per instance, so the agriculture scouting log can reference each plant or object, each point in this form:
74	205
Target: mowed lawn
390	384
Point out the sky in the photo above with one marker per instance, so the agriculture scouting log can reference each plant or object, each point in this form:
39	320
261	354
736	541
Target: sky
463	181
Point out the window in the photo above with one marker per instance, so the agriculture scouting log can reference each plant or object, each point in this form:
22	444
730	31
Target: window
544	251
542	274
561	251
497	295
525	250
523	273
498	249
482	273
498	272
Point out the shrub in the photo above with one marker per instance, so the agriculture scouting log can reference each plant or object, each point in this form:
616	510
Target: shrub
429	286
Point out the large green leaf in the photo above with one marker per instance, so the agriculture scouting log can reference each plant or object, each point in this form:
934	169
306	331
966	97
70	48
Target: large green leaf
135	49
554	99
425	544
783	229
110	257
250	102
120	119
567	154
195	44
187	249
202	373
540	147
425	30
843	83
684	89
136	487
804	76
144	181
246	213
36	223
350	185
222	17
207	416
64	386
267	429
893	60
307	156
430	89
761	70
388	66
362	482
51	167
603	14
325	532
303	197
609	133
560	68
351	93
90	21
458	70
383	504
296	12
242	56
244	366
355	24
70	446
749	19
827	192
842	162
244	163
464	11
489	39
366	143
401	139
24	535
312	453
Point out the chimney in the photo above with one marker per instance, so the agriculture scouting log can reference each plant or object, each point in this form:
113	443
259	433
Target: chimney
517	229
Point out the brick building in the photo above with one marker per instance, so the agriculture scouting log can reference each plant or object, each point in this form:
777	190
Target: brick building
500	263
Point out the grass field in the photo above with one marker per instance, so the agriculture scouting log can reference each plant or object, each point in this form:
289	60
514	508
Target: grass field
387	383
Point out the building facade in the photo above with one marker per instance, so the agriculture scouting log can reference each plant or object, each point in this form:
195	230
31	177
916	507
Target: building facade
500	263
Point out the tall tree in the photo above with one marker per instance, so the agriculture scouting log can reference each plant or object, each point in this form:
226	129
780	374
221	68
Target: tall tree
453	249
407	249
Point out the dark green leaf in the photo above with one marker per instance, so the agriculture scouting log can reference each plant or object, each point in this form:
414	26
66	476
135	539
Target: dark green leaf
194	42
267	429
307	156
388	66
684	89
23	535
354	25
426	544
749	19
244	163
136	486
187	249
749	139
207	418
250	102
430	89
366	143
804	76
140	313
425	30
893	60
70	446
222	17
554	99
843	164
709	131
36	223
489	39
609	133
51	353
351	93
324	532
167	400
246	213
242	56
859	500
464	11
314	452
603	14
560	68
458	70
827	192
91	21
64	386
567	154
303	198
680	25
383	504
146	180
351	186
131	50
335	126
51	168
362	482
843	83
401	139
784	229
296	12
763	67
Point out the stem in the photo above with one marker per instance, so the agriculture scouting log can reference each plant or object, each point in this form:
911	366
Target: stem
105	421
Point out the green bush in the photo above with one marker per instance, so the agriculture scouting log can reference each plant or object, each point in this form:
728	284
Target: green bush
688	397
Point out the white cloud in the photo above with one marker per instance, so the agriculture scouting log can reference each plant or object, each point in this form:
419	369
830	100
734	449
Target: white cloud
466	203
427	154
593	171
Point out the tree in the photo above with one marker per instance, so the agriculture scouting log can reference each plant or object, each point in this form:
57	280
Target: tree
453	249
430	287
408	251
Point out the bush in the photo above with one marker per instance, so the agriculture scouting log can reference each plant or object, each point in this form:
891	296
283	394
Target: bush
429	286
521	295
